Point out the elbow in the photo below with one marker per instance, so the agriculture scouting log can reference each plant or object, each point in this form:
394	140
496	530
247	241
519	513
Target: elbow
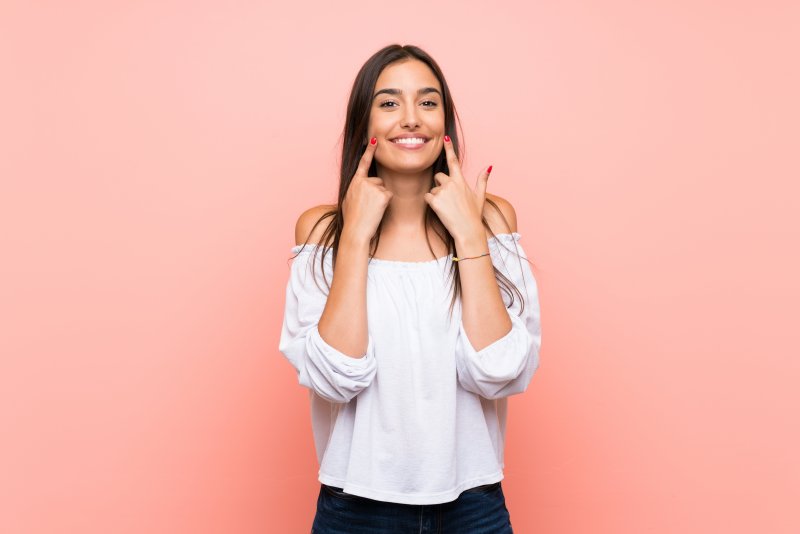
500	389
335	387
507	369
333	375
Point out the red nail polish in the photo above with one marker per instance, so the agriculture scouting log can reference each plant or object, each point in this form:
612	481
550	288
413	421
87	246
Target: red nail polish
373	140
489	170
447	138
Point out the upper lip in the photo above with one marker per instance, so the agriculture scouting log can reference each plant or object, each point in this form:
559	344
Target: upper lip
410	136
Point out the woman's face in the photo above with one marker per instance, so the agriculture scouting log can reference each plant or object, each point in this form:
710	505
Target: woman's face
411	109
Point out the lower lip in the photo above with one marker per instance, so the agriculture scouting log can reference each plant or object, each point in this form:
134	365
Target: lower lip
410	147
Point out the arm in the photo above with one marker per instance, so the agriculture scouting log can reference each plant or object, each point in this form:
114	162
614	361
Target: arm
321	366
484	314
504	363
343	323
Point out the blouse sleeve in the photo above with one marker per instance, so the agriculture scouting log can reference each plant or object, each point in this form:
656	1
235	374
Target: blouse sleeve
506	366
330	373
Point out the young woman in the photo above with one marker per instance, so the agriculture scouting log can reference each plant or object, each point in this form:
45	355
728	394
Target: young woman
411	350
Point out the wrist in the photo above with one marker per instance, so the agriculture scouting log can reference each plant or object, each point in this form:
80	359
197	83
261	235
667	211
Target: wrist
471	244
353	238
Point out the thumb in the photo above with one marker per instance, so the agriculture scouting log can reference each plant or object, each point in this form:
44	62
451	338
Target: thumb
482	181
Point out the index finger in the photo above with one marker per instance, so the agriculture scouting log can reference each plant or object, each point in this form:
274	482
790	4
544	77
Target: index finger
366	158
452	160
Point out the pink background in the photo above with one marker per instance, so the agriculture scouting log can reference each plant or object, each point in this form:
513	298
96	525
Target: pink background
155	157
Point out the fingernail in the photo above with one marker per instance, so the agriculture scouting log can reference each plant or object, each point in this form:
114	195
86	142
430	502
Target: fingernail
447	138
373	140
489	170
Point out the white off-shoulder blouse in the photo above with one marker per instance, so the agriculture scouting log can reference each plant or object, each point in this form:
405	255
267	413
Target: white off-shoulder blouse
421	416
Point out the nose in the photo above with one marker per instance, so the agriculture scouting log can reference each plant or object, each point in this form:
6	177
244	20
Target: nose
410	117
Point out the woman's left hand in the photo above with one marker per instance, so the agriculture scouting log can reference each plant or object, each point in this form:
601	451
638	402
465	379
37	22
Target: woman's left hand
457	205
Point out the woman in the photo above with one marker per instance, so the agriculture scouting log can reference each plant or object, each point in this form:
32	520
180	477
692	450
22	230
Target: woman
408	394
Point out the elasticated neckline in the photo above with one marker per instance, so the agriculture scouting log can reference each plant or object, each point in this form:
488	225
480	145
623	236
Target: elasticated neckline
399	264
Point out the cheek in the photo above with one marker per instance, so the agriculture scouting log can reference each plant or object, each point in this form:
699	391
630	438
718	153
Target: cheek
380	125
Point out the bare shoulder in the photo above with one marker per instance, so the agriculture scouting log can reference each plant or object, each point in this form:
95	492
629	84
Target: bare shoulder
304	230
503	221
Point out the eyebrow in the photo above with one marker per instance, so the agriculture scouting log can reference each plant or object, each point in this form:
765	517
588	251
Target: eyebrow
396	92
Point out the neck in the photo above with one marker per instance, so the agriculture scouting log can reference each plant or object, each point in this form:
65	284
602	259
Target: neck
406	210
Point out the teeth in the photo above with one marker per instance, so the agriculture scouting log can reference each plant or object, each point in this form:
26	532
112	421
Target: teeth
410	141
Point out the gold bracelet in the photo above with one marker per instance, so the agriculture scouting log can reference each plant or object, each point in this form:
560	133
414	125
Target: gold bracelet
470	258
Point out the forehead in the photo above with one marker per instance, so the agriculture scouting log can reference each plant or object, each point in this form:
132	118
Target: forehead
408	74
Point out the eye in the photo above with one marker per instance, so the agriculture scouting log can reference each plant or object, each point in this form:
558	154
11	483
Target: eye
385	102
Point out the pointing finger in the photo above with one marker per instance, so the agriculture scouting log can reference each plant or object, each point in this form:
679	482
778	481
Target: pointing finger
480	184
366	158
452	159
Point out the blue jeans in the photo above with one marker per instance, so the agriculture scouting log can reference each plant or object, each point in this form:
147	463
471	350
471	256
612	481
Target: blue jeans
479	510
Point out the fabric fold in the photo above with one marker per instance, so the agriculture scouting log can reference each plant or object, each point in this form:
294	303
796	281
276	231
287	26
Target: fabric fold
506	366
335	376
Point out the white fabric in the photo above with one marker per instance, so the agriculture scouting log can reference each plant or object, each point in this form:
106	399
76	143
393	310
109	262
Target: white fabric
421	416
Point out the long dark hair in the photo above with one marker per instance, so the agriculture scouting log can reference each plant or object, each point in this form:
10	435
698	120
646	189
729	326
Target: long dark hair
354	144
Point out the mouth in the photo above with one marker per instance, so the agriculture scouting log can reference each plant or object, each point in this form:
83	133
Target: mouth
410	143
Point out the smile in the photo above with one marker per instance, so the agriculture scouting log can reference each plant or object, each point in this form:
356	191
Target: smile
410	143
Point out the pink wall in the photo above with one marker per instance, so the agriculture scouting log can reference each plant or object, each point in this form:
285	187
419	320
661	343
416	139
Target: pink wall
155	156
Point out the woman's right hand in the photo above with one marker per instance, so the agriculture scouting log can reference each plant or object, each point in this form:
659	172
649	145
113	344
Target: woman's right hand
365	201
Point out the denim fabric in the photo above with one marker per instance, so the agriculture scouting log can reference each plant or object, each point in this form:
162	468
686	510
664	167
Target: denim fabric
479	510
